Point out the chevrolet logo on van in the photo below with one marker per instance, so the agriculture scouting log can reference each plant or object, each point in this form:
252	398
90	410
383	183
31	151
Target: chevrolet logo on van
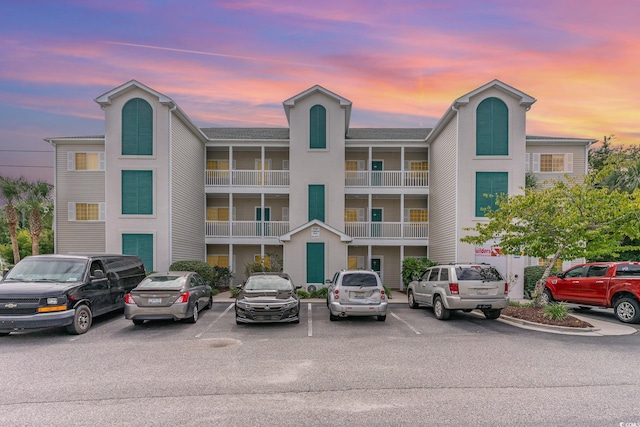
10	305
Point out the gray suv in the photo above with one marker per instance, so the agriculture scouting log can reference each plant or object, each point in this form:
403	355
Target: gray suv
460	286
356	293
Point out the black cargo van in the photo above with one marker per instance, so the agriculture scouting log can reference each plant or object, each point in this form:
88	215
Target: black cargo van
44	291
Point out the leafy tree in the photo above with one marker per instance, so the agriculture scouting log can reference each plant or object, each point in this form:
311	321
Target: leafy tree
24	244
568	220
36	199
412	267
11	190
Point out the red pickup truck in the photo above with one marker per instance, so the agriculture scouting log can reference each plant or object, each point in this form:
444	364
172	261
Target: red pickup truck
602	284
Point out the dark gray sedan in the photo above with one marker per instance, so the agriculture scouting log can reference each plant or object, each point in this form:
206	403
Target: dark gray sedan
173	295
268	297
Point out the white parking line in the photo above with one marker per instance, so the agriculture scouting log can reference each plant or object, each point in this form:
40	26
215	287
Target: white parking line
310	322
408	325
216	319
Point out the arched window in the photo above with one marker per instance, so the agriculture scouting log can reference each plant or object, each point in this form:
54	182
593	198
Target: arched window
318	127
137	128
492	128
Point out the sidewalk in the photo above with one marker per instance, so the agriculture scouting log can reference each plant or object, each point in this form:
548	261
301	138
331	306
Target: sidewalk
600	327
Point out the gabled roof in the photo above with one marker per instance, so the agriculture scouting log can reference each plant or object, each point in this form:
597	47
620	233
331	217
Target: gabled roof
344	103
315	222
524	99
105	99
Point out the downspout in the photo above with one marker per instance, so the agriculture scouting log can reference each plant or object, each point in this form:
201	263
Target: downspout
457	208
170	212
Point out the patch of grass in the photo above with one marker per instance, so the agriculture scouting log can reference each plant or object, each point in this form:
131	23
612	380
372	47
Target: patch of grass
320	293
555	311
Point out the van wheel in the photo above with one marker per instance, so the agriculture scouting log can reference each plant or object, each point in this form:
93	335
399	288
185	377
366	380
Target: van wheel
332	316
441	312
382	318
81	320
492	314
137	322
4	334
412	300
209	303
627	310
194	316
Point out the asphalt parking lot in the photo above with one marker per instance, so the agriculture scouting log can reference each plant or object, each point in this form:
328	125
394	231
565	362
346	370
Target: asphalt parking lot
410	370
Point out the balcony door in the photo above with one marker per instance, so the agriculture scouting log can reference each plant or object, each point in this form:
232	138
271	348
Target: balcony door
376	222
259	219
376	172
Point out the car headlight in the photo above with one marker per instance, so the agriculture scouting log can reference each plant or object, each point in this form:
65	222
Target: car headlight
52	301
291	304
242	304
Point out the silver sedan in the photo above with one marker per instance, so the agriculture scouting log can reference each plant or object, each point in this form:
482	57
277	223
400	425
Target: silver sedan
173	295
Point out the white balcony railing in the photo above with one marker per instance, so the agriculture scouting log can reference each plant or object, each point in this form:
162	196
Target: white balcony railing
386	178
381	230
253	178
388	230
246	228
280	178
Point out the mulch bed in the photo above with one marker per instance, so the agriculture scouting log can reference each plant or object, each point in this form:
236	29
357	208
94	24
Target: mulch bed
536	315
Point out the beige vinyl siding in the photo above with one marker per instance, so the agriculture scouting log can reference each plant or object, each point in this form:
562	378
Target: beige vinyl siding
390	209
442	195
391	264
77	187
187	194
391	159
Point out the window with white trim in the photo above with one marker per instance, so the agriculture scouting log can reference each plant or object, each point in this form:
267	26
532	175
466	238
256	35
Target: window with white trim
553	163
85	161
86	211
354	215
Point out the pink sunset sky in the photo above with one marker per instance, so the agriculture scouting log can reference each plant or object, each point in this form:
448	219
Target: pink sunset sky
232	63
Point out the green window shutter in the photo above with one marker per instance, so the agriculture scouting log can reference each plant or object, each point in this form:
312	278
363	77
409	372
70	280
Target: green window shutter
137	128
140	245
137	192
492	184
318	127
316	202
492	128
315	262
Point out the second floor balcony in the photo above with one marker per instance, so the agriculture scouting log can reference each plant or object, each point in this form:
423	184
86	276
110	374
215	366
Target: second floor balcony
281	178
275	229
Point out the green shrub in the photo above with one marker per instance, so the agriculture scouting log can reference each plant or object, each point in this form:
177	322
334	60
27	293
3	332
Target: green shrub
413	267
202	268
302	294
522	304
235	291
555	311
387	291
320	293
222	278
531	276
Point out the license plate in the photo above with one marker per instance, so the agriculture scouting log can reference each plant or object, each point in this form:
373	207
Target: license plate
483	306
483	292
357	294
155	300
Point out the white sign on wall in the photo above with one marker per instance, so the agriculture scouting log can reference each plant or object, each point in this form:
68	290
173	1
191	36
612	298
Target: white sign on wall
315	232
492	255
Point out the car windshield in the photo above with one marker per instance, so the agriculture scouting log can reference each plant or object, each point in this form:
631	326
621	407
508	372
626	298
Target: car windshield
268	283
359	279
156	282
477	272
49	270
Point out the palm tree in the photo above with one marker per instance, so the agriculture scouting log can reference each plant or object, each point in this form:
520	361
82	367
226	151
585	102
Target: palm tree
36	199
627	178
11	190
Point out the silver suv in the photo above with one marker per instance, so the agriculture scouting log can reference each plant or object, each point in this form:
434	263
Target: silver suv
356	293
460	286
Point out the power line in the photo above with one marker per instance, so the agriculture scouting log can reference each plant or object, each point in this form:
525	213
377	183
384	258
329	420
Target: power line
30	151
25	166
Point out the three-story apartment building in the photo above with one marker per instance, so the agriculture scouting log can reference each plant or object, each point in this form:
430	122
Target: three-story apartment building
318	195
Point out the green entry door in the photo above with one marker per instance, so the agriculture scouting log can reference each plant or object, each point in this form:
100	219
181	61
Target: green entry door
376	172
315	262
376	220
